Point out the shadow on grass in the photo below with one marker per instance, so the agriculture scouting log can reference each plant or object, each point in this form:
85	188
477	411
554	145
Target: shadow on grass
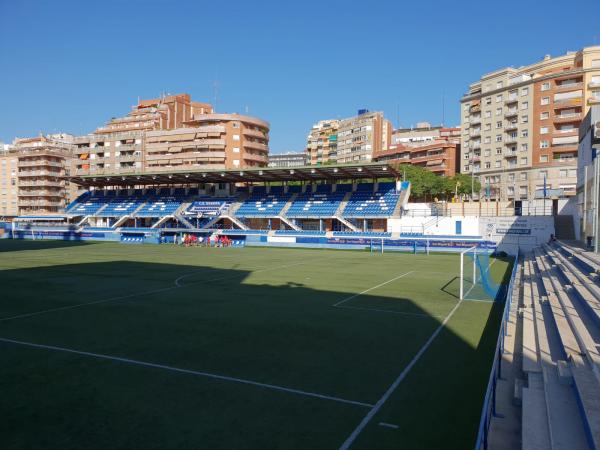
223	323
16	245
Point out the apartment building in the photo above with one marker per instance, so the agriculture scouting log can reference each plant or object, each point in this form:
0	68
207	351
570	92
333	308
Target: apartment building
423	133
440	155
288	159
173	133
36	175
519	126
359	137
321	147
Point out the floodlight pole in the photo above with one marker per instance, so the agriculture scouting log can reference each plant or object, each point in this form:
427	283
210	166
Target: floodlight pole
462	257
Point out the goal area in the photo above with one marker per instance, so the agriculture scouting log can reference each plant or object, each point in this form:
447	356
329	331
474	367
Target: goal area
477	278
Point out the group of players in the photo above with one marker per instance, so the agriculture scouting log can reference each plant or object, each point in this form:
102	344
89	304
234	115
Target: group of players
191	240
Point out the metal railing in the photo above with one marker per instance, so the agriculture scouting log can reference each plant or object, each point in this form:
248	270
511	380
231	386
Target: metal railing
489	403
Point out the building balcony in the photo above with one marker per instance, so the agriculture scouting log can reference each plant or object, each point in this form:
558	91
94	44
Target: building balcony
561	118
510	141
511	100
475	145
568	87
475	133
474	120
594	84
510	154
40	202
565	148
256	145
39	173
594	101
511	126
256	158
40	193
41	183
511	113
39	163
567	103
254	133
566	133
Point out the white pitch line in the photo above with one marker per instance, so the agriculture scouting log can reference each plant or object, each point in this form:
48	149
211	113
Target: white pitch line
388	425
370	289
348	442
188	371
137	294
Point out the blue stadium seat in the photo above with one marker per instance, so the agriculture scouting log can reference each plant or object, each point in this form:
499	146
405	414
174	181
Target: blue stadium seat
315	205
262	205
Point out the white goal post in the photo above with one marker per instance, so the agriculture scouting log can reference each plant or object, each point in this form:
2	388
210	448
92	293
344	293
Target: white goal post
462	269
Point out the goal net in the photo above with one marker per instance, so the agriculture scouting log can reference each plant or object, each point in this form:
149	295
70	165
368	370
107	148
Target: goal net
477	280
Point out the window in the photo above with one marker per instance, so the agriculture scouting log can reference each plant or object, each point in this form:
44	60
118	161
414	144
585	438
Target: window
499	85
487	114
236	149
236	162
511	177
524	119
523	161
487	152
498	150
466	167
498	111
563	173
487	140
498	138
524	105
543	130
543	158
545	86
523	176
499	124
545	101
524	91
596	63
236	137
522	190
497	164
572	172
524	133
499	98
544	144
524	147
544	115
488	165
488	126
235	124
488	100
510	190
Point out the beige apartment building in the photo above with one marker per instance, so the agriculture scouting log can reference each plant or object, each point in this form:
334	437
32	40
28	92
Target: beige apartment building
33	175
321	147
360	136
173	133
519	126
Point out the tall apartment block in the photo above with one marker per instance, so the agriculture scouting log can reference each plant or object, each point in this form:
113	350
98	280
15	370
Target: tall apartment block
321	147
173	133
33	175
359	137
520	125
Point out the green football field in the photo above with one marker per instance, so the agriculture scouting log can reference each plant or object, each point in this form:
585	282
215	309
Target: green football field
104	345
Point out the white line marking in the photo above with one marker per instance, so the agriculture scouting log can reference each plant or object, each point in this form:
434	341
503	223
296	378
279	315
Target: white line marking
370	289
188	371
388	425
348	442
137	294
389	311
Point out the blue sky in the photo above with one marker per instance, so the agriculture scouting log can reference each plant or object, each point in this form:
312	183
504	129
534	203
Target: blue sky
72	65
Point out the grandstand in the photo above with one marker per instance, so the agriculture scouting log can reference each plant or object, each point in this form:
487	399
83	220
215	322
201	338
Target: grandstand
549	390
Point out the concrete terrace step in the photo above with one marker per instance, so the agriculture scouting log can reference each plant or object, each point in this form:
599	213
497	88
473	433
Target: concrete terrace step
535	433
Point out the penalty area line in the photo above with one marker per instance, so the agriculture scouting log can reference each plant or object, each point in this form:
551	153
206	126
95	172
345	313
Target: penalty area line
361	426
347	299
188	372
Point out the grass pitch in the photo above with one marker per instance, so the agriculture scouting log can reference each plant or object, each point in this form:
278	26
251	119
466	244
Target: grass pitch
105	345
